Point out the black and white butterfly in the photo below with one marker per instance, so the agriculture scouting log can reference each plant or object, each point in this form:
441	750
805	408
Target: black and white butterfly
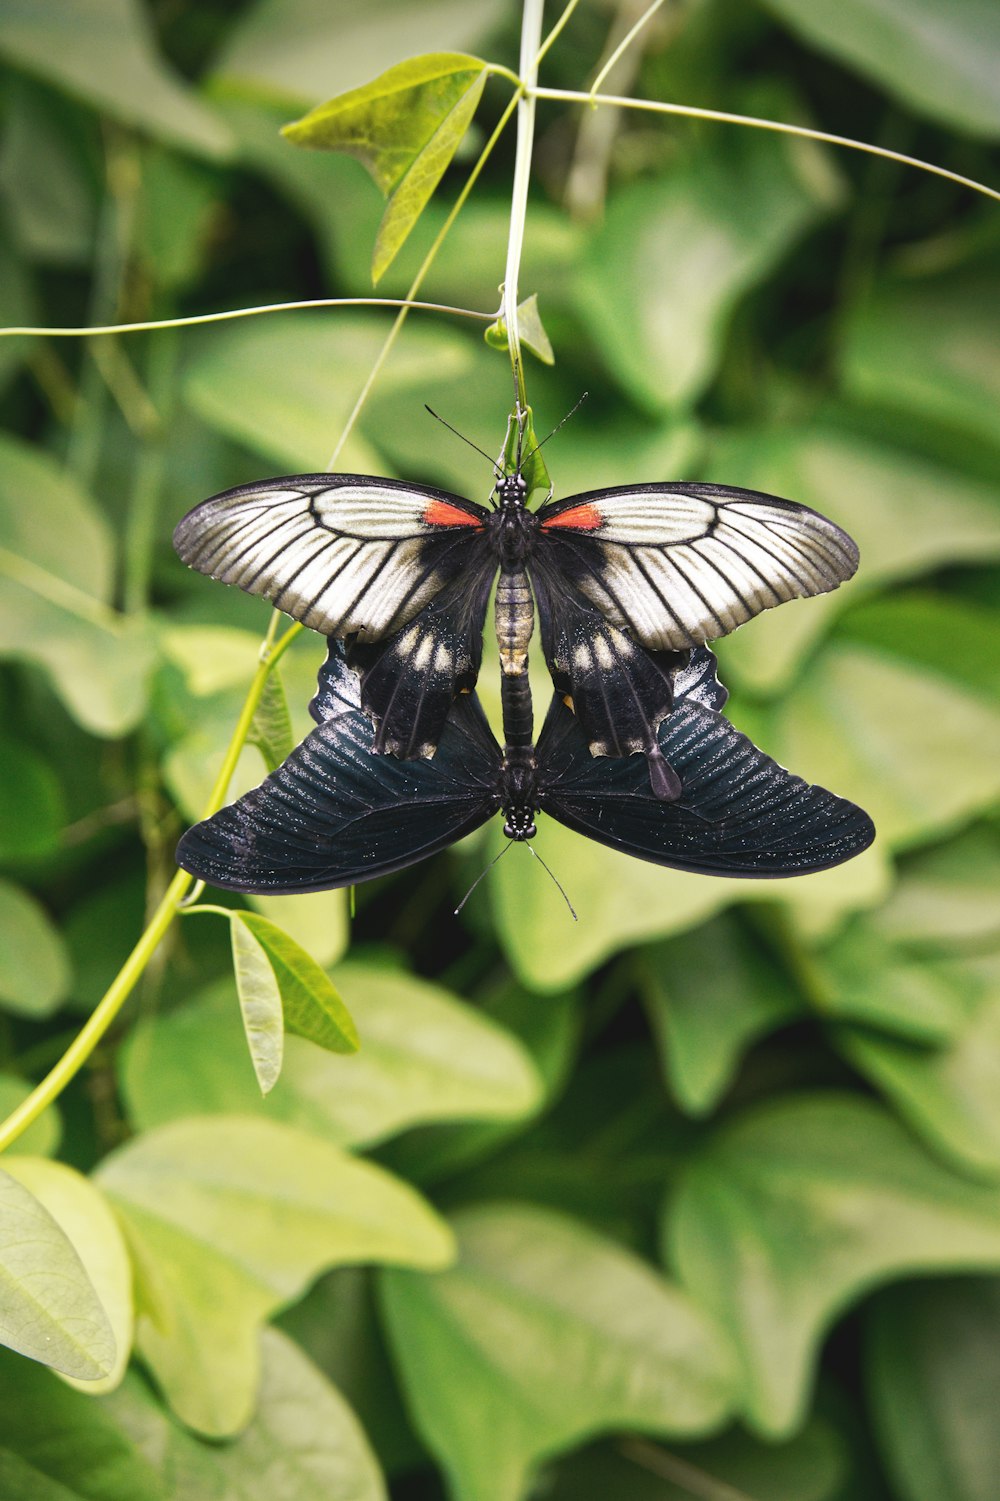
625	580
335	812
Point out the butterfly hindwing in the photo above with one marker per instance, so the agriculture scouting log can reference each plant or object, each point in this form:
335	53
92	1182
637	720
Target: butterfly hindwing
335	813
408	683
620	692
739	813
681	564
345	554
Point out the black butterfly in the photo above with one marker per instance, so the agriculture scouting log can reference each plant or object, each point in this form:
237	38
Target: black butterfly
626	581
335	812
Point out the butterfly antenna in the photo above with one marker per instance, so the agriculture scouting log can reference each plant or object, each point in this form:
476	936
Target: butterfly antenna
548	873
558	425
439	418
482	876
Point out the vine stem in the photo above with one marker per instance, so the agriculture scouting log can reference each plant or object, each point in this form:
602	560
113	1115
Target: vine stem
531	46
131	971
244	312
693	112
425	265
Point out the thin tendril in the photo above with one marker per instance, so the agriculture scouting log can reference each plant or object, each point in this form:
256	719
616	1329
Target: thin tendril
243	312
693	112
624	44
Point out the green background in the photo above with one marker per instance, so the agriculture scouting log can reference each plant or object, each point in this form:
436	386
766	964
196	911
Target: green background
716	1155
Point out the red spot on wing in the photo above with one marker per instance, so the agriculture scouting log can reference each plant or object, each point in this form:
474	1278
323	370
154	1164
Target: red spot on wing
585	518
443	513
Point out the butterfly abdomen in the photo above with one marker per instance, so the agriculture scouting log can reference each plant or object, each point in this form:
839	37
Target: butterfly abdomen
515	619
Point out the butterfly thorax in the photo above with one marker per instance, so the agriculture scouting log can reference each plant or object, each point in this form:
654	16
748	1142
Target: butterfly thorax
514	526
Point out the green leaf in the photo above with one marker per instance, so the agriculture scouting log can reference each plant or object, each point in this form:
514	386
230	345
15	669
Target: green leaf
663	273
175	215
45	180
104	52
302	1435
735	1467
82	1213
711	994
530	328
958	639
950	1095
937	60
929	348
31	803
933	1378
49	1308
286	385
260	1003
425	1056
946	896
799	1208
58	1445
317	920
525	444
56	565
865	978
404	127
34	967
858	713
271	728
211	657
42	1137
543	1334
214	1259
18	309
889	501
311	1005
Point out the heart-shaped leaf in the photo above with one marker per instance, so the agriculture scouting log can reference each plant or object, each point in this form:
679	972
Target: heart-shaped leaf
543	1333
82	1213
213	1258
404	126
49	1308
425	1056
797	1209
933	1377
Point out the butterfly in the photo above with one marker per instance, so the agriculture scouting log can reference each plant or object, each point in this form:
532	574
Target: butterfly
626	581
335	812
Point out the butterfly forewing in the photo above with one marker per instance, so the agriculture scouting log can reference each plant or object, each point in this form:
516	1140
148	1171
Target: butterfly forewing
344	554
682	564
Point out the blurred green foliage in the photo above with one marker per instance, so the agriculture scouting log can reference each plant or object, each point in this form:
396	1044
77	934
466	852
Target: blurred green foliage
651	1174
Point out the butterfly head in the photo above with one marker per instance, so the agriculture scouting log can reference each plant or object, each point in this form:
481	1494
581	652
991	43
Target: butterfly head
520	824
518	789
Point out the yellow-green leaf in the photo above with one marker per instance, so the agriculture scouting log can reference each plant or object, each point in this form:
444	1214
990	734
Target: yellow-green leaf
309	1002
388	122
260	1004
49	1309
404	127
